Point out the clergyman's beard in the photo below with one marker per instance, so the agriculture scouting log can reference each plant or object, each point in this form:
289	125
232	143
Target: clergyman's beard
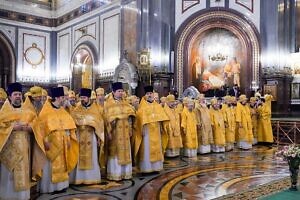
38	105
17	102
150	100
84	103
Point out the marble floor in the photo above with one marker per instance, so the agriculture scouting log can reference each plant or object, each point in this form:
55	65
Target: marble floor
205	177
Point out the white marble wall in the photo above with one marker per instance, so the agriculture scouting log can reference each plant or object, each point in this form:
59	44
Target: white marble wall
64	53
254	16
35	46
109	41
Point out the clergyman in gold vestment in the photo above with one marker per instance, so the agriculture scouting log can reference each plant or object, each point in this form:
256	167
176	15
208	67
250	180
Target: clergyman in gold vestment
148	137
57	130
119	116
15	133
90	131
172	127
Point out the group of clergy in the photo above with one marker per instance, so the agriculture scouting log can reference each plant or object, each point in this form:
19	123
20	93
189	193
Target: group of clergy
60	138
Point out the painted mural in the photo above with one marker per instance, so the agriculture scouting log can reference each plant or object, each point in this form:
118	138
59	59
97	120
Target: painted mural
216	60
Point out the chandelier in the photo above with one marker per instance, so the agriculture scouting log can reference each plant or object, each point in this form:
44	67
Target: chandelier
218	57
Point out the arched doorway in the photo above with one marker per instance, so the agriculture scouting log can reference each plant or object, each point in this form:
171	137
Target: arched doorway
7	62
209	43
83	66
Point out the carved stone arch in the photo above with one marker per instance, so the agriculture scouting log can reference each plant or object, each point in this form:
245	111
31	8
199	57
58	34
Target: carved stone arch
217	18
91	49
7	61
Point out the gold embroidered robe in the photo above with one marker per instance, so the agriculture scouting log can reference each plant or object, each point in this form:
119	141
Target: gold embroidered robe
172	129
229	120
254	119
88	121
119	145
264	128
151	114
218	127
243	117
189	126
205	135
15	145
57	128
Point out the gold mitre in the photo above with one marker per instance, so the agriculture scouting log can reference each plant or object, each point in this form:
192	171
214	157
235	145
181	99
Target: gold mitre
185	100
227	99
44	93
253	99
100	91
71	94
93	95
233	99
213	101
170	98
131	99
36	91
3	94
242	98
200	96
163	99
27	94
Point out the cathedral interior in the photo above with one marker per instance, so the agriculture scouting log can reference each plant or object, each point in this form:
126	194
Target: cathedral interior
185	47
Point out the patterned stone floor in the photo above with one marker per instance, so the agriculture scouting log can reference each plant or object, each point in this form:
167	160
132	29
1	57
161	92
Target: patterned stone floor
205	177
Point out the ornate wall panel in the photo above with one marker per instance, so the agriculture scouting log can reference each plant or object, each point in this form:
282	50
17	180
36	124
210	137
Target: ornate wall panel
87	31
34	56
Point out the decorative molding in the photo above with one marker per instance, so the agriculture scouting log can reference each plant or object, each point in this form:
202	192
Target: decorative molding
86	32
198	23
248	4
10	33
31	53
25	71
33	48
187	4
52	22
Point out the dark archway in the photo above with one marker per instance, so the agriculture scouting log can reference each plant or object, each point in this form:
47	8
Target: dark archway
7	62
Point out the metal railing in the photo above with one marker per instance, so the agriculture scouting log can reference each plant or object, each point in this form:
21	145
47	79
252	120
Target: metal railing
286	131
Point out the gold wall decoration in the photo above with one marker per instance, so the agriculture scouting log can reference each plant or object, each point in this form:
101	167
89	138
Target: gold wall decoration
144	58
34	55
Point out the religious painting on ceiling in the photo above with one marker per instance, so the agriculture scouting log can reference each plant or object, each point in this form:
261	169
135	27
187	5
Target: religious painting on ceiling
216	60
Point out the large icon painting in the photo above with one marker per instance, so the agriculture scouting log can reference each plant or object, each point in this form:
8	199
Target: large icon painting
216	59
